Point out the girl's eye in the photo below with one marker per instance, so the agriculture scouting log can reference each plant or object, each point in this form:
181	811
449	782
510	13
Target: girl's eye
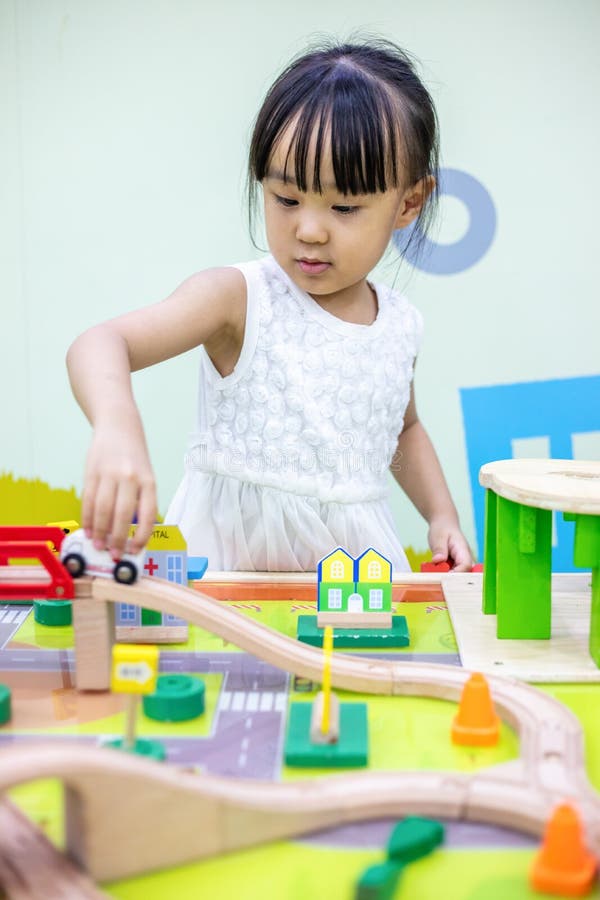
346	210
286	201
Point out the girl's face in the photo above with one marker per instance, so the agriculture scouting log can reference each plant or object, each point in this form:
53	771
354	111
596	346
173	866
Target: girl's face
327	243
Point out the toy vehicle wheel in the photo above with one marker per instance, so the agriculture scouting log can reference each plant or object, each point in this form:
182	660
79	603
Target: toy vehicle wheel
74	563
125	572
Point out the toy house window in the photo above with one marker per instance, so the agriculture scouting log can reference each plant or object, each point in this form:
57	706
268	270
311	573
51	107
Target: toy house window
337	569
175	568
374	570
334	598
170	619
376	598
127	613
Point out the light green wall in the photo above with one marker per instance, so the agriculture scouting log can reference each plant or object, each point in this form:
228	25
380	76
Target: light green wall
122	155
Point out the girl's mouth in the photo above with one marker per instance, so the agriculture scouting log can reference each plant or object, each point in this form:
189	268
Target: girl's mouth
313	266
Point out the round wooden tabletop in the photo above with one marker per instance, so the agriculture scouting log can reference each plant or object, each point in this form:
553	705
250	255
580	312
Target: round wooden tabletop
569	485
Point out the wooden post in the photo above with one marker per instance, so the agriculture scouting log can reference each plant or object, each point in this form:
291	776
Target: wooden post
94	628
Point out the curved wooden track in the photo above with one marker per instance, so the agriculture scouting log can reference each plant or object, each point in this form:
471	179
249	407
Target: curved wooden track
126	815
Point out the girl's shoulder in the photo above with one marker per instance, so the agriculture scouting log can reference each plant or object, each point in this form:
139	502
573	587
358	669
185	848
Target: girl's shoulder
399	308
255	273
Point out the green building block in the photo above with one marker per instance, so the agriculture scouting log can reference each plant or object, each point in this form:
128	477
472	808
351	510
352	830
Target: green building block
378	882
143	747
350	751
595	617
586	554
53	612
489	554
413	838
5	705
397	636
150	617
586	547
177	698
527	529
523	576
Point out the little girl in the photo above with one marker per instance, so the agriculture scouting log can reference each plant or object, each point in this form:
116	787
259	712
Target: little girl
306	396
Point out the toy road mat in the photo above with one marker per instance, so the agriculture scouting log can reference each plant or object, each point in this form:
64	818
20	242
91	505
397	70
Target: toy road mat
563	658
242	734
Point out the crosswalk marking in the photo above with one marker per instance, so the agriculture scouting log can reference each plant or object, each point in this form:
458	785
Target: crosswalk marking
13	616
266	701
237	704
253	701
225	700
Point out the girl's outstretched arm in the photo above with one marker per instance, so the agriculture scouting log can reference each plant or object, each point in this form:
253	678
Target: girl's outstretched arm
209	308
417	470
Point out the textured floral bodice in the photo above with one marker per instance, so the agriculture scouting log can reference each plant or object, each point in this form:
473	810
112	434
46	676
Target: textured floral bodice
315	404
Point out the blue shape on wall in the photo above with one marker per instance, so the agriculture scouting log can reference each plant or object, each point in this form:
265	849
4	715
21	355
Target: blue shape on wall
495	415
449	259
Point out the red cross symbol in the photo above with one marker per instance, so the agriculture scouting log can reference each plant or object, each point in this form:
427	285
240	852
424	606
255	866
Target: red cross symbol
150	566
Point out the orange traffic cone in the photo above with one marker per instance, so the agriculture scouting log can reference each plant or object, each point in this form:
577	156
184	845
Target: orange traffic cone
476	723
564	865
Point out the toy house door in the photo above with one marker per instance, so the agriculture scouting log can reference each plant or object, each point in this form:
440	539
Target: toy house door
355	603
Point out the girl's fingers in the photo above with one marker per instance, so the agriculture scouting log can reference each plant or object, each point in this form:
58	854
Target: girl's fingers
87	504
146	515
461	554
104	506
124	510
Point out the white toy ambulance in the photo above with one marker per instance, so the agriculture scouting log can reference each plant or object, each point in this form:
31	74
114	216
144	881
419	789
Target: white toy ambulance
79	557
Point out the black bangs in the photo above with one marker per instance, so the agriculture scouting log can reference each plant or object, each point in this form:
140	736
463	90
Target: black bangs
351	118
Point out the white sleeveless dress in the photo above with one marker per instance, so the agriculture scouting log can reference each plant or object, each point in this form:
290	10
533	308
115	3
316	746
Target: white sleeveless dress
291	450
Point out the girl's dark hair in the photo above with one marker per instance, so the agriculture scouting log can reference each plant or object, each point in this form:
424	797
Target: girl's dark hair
367	100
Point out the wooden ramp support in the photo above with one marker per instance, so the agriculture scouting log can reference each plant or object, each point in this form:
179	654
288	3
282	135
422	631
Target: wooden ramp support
31	868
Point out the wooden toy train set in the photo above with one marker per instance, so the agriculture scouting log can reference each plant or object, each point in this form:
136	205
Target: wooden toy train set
113	801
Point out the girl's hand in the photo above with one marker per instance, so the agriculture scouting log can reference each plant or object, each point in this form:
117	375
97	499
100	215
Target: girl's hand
119	484
448	543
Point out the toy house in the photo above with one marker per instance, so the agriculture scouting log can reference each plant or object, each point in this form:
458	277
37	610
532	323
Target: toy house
354	592
166	557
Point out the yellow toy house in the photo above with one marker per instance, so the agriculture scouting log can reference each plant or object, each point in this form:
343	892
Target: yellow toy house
355	592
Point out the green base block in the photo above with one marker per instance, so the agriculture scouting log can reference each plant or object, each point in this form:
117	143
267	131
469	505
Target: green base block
378	882
413	838
397	636
53	612
5	710
351	750
177	698
143	747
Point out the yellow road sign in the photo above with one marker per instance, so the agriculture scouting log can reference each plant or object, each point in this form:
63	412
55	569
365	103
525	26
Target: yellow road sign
134	669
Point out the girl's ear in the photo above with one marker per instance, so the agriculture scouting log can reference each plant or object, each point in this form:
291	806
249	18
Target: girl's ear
413	200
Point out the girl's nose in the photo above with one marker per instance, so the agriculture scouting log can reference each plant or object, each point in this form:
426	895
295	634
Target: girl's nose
311	230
